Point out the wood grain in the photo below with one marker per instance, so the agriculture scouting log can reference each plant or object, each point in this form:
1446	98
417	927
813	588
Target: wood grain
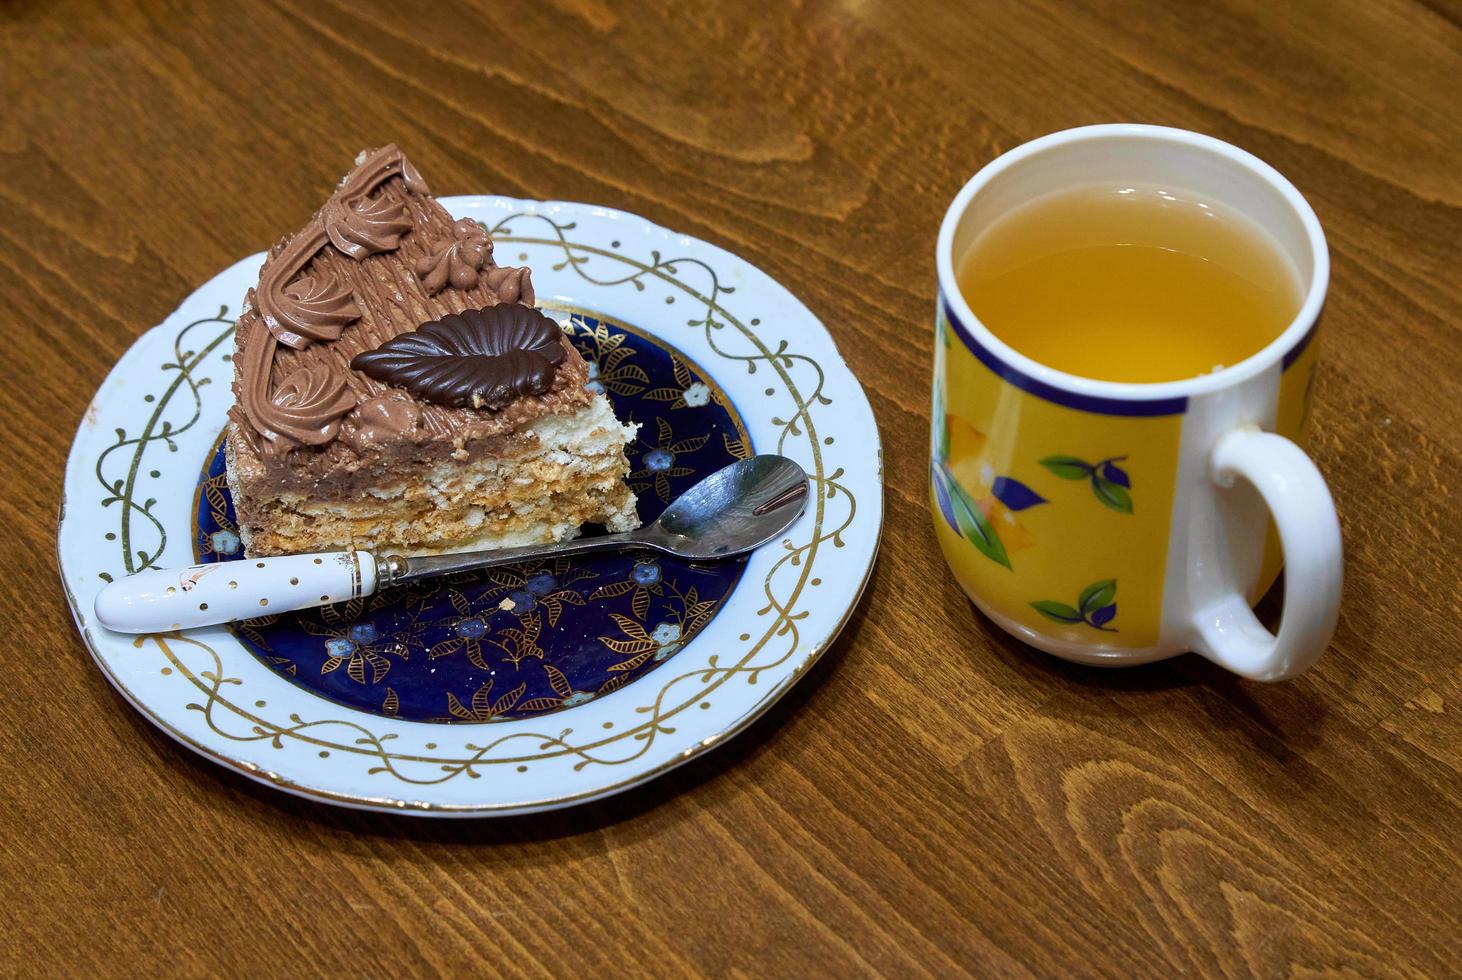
935	797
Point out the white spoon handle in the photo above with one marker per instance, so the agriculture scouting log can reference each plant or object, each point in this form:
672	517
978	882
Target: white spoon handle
180	598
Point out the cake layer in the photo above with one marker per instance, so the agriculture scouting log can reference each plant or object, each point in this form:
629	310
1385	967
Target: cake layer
461	523
570	471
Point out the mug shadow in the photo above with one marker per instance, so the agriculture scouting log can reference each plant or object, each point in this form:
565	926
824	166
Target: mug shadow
1280	721
264	803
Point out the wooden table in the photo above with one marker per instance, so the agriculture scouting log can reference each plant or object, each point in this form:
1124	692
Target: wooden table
934	796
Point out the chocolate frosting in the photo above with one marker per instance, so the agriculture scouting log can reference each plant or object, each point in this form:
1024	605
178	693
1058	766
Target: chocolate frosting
307	405
483	358
364	227
511	285
458	260
392	417
316	307
344	284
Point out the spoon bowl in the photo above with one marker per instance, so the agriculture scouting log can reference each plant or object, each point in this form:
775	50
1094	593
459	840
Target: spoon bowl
735	509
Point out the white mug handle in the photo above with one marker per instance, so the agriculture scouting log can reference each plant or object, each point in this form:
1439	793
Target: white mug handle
1226	630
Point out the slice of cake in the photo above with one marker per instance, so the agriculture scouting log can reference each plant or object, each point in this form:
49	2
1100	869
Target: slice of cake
397	390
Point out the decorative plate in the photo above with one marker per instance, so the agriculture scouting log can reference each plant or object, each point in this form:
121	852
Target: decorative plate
528	687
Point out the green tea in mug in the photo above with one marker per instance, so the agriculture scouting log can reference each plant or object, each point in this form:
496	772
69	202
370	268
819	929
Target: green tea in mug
1130	282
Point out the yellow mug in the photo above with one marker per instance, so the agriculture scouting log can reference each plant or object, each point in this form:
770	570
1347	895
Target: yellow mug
1113	523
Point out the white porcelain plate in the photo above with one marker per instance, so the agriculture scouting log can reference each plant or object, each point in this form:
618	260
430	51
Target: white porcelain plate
132	486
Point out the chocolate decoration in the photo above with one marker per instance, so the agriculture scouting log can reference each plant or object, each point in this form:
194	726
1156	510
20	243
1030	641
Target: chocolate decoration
319	308
308	404
511	285
458	260
366	226
307	310
483	358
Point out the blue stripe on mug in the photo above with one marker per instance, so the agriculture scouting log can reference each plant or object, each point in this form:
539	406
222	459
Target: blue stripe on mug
1051	393
1293	354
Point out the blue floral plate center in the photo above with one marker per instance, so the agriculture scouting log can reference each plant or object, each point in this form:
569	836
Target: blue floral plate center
525	639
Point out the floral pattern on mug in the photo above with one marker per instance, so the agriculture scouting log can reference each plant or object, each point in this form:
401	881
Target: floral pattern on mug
988	521
1096	607
1110	484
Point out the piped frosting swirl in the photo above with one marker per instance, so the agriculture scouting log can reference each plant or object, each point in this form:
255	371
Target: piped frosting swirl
365	226
456	261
